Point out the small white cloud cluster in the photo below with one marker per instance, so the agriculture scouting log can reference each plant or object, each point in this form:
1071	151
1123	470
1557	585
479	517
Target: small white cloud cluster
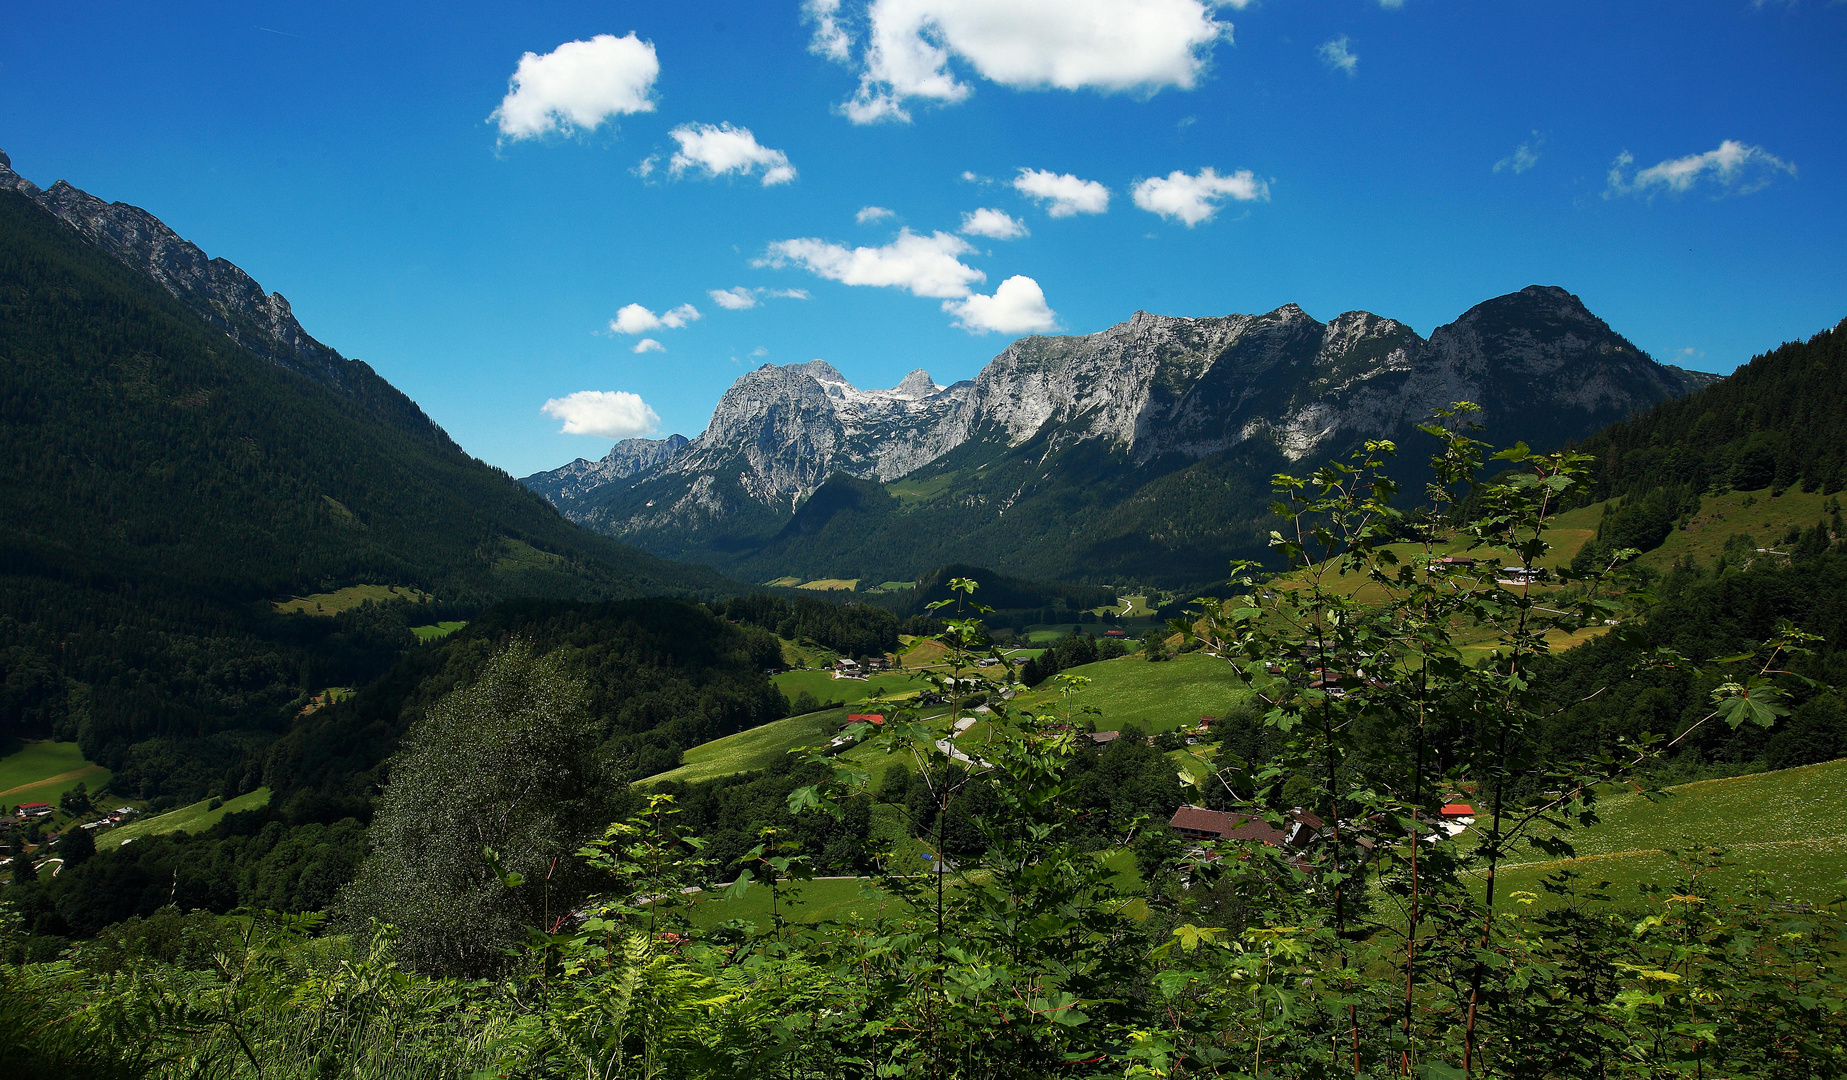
635	319
993	224
743	299
1191	199
869	214
1338	55
579	84
1063	195
929	266
1105	45
721	149
1734	168
613	414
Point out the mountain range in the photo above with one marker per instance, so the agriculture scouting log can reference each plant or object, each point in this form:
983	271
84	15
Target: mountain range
1143	451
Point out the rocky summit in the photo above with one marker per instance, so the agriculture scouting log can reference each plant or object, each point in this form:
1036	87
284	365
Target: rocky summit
1135	403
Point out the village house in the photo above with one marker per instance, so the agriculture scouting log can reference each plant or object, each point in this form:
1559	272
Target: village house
1519	575
878	663
35	809
846	668
1199	823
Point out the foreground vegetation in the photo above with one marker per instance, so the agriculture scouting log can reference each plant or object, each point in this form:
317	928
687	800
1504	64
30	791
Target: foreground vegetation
991	928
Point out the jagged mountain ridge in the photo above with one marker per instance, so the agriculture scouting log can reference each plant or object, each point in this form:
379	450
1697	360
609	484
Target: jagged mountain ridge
1140	408
223	295
566	485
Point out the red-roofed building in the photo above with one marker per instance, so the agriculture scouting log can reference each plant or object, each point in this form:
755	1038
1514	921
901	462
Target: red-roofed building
875	719
34	809
1457	810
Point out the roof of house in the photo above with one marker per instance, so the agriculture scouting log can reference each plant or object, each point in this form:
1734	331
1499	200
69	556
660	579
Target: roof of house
34	805
1458	809
1226	826
1104	736
865	718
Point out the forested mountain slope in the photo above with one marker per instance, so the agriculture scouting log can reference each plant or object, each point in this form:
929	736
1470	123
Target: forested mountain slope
163	486
1779	420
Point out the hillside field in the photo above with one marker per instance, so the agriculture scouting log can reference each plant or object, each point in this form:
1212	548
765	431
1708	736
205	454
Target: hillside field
1155	696
825	687
43	771
1789	826
757	748
333	603
195	818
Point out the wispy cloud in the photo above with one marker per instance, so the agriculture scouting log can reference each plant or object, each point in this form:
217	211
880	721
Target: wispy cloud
1733	168
1524	157
868	214
1339	55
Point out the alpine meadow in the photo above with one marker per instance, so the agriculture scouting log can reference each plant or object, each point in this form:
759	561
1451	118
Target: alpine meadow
1144	539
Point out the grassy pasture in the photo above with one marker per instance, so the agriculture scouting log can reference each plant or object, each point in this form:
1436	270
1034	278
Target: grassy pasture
825	687
757	748
333	603
1790	825
436	631
831	584
1157	697
44	771
784	583
193	819
1753	513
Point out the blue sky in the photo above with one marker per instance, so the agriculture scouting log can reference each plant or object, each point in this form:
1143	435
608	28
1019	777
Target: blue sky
1679	165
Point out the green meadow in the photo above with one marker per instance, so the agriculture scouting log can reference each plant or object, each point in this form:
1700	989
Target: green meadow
43	771
758	748
193	819
1787	828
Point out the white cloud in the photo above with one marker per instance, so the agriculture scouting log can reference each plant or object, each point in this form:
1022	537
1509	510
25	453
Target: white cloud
718	149
1105	45
970	176
743	298
1338	56
1391	5
1193	199
1524	157
871	213
1065	194
579	84
992	223
613	414
1017	307
738	299
1735	168
635	319
648	345
925	265
830	38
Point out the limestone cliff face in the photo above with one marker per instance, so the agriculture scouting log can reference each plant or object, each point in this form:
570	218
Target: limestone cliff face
1152	388
222	293
567	485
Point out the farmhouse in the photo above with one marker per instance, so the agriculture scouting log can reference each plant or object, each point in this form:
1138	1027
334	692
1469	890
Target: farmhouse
875	719
34	809
846	666
1118	634
1199	823
1519	575
878	663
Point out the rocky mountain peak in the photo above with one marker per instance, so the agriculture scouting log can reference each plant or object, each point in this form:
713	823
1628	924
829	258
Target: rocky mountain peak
918	384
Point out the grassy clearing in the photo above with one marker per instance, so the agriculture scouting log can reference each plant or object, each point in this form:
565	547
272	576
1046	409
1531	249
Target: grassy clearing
44	771
784	583
1753	513
892	586
1790	826
1157	697
758	748
193	819
831	584
825	687
910	492
333	603
437	631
